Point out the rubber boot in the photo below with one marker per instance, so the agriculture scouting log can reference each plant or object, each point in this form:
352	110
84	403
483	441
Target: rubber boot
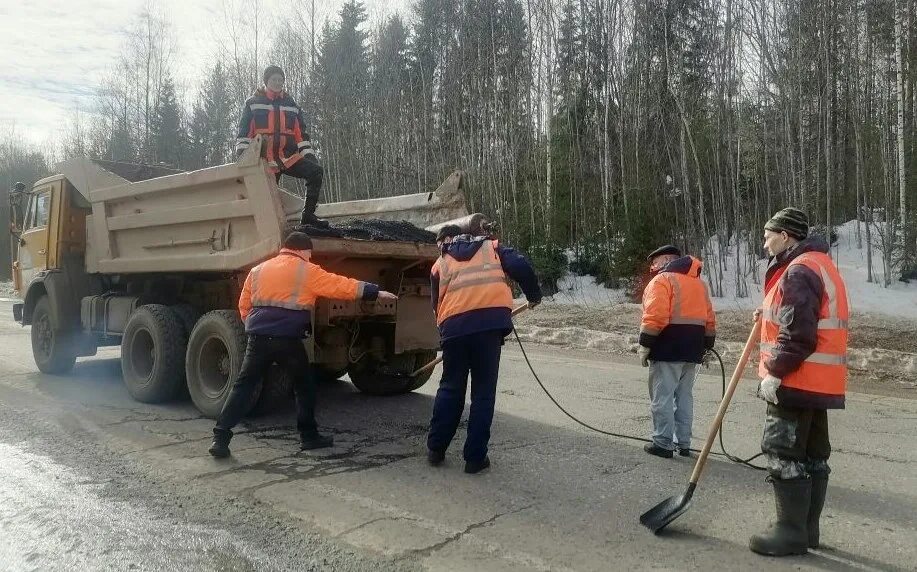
308	213
819	490
788	535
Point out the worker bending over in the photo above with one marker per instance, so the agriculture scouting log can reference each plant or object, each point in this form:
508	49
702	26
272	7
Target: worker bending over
473	304
276	305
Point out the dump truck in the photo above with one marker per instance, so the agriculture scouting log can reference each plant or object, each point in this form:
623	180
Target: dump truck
153	260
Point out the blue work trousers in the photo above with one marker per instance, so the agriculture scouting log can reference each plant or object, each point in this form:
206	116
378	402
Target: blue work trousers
479	355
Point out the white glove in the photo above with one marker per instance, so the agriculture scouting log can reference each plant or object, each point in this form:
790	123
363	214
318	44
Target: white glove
767	389
644	356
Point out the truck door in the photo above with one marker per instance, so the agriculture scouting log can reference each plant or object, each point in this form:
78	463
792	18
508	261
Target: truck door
33	243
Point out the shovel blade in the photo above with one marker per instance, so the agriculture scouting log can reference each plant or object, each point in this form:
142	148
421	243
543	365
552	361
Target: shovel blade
668	510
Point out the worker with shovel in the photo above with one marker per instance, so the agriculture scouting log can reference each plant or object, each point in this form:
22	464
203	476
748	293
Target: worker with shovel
803	367
677	328
473	305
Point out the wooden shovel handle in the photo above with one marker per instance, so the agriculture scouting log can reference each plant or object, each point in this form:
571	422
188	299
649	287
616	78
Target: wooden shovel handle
435	362
724	404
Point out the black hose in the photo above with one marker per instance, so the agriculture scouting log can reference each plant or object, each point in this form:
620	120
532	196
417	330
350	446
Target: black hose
725	453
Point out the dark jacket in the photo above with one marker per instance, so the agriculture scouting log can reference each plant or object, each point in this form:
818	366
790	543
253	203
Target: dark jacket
276	117
683	342
516	267
802	290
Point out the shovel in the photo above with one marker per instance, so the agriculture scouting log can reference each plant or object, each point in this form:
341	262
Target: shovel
668	510
435	362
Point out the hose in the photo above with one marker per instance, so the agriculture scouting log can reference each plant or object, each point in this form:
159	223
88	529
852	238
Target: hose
746	462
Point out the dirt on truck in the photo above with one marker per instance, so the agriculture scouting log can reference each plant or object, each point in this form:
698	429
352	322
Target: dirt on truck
153	260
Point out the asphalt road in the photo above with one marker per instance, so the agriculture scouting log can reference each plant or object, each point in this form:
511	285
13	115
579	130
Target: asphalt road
90	479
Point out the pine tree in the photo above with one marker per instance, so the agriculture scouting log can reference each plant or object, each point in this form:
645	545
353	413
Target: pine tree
168	139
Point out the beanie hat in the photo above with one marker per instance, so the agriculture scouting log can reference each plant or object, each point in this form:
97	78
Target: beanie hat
448	231
790	220
271	70
663	250
298	241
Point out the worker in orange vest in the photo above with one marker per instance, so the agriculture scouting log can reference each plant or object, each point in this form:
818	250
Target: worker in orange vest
276	305
272	113
803	370
473	304
677	328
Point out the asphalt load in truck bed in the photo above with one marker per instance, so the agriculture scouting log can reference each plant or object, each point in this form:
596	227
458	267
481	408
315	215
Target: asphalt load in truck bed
371	229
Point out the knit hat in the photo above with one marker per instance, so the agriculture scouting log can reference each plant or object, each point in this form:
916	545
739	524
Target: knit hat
790	220
298	241
271	70
663	250
448	231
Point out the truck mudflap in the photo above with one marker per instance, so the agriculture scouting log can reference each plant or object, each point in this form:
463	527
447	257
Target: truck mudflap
17	311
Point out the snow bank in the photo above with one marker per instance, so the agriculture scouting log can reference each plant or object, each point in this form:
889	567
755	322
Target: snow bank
899	299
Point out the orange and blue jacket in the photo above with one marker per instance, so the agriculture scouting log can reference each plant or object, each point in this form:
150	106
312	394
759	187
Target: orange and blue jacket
469	288
804	327
279	295
678	322
277	118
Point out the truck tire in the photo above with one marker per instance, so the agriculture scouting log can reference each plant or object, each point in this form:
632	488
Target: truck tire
153	354
323	375
52	349
370	380
276	393
187	315
215	352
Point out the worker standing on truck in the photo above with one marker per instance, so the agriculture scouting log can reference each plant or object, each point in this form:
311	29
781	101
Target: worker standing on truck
803	368
677	328
272	113
276	305
473	305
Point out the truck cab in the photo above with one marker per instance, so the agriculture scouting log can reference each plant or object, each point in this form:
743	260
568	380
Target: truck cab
48	272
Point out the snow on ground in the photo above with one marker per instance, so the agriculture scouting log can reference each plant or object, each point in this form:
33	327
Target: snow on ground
899	299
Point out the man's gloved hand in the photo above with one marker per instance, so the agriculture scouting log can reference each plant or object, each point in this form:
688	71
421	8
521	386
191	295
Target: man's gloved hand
757	315
644	356
385	296
767	389
708	357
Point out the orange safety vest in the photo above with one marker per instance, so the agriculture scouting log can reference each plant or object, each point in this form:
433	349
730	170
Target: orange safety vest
278	121
673	298
291	282
473	284
825	370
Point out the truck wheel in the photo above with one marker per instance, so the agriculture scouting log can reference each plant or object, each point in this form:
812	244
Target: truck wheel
276	392
215	352
153	354
371	377
187	315
52	349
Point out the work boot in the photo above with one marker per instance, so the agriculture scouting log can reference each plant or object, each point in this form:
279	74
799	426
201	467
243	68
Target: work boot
654	449
308	213
315	441
435	458
474	467
788	535
685	452
819	490
220	446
